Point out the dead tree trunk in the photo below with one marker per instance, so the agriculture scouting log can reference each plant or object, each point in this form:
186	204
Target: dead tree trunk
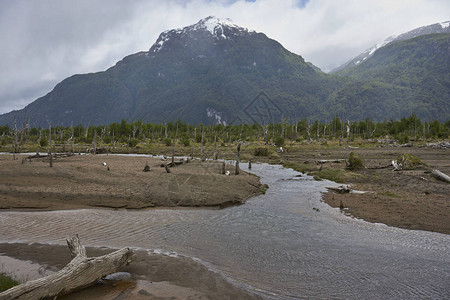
215	148
77	274
222	171
50	158
94	143
16	134
236	171
202	147
348	134
173	152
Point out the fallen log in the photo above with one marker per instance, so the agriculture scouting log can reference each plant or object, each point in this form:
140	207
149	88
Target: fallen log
440	176
342	189
79	273
379	167
54	155
323	161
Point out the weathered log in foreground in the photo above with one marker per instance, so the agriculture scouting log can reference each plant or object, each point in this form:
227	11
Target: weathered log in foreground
77	274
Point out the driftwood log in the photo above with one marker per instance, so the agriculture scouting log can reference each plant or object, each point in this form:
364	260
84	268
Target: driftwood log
440	176
342	189
54	155
323	161
79	273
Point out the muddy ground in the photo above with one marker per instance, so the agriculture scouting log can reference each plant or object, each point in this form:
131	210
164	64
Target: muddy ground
410	199
83	181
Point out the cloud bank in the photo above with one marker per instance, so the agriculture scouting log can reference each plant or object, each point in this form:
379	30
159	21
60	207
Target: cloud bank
45	41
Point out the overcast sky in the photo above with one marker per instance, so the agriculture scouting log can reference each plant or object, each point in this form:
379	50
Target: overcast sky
46	41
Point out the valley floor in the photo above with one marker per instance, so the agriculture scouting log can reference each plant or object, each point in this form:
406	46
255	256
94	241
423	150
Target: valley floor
109	181
410	199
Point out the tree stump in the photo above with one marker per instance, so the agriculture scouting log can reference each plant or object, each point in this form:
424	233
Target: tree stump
222	171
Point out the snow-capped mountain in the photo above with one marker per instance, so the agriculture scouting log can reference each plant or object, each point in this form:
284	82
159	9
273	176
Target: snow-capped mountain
214	72
219	29
208	72
434	28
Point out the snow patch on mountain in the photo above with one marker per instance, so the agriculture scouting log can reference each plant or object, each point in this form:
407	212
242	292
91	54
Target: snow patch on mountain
433	28
381	44
217	28
212	113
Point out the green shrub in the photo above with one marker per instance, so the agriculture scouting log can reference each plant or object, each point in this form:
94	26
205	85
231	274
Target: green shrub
185	142
167	142
107	140
354	162
278	140
442	135
336	175
43	142
133	143
261	151
6	282
404	138
264	188
409	161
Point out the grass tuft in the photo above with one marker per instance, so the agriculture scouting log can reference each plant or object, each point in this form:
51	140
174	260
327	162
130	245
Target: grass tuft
6	282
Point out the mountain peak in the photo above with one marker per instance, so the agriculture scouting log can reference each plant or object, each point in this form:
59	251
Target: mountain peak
442	27
219	29
445	24
212	22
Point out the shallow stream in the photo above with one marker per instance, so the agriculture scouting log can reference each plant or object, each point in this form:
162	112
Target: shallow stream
286	244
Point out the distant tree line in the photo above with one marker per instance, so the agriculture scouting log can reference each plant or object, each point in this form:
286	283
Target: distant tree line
133	133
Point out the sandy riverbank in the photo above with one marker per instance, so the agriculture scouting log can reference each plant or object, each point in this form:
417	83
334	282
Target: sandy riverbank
84	182
410	199
154	276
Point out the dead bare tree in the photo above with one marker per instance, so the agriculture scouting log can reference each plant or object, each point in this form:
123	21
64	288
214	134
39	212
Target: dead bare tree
71	139
309	133
348	135
215	148
39	142
50	158
202	147
173	151
94	143
236	170
49	133
18	137
113	141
